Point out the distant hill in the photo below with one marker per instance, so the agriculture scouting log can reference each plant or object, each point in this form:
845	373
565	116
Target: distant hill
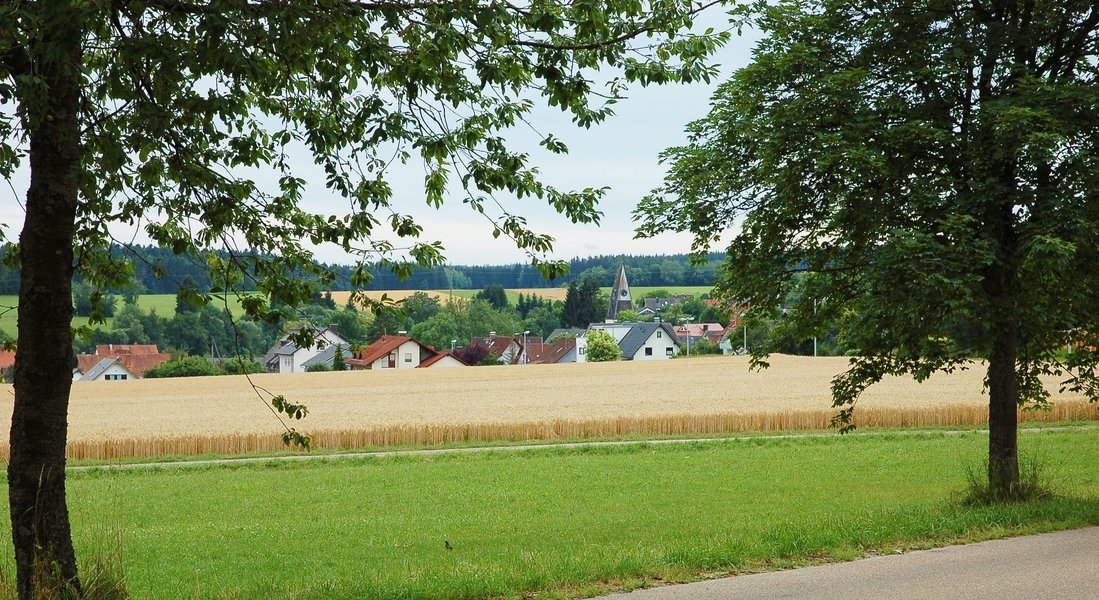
160	272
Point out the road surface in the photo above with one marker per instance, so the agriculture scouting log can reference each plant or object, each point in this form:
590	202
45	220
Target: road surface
1051	566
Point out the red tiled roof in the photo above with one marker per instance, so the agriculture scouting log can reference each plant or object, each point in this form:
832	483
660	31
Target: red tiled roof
138	358
438	357
550	353
111	350
380	348
7	358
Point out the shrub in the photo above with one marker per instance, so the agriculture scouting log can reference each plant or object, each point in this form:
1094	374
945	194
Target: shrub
187	366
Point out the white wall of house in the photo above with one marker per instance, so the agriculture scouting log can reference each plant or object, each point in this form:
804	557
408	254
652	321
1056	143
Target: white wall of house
446	362
406	356
293	363
659	346
115	372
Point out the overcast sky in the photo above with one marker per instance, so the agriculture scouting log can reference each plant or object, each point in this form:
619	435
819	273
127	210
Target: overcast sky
621	153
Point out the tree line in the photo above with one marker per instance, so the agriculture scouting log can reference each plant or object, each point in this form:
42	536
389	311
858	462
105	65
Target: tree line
160	271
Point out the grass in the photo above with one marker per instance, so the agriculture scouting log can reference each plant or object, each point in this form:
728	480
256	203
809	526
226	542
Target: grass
556	522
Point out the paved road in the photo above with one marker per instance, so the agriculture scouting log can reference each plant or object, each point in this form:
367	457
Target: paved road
1051	566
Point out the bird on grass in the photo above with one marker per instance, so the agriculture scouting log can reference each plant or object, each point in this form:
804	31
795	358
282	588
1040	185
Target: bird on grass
446	544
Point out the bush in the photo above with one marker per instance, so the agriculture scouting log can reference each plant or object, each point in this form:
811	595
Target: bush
602	347
187	366
238	365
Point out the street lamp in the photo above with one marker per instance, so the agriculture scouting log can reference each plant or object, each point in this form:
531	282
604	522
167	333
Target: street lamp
687	328
452	342
526	352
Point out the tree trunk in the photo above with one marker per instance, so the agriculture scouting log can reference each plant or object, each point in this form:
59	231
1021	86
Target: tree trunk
1003	404
1001	287
44	356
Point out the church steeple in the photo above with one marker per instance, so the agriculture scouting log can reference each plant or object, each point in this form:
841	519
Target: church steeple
620	294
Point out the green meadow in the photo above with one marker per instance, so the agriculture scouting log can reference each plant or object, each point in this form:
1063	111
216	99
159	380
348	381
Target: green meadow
555	522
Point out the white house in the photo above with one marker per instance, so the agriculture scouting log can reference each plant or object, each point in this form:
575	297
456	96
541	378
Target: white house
392	352
108	369
638	341
286	357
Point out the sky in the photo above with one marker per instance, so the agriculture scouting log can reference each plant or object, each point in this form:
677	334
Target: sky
620	153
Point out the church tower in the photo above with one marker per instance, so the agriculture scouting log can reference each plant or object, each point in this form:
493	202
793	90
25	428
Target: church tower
620	294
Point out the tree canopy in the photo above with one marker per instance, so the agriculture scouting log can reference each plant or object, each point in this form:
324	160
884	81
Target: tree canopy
932	167
602	347
184	118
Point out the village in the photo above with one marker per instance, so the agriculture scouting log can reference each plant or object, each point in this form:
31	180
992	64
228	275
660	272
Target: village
646	336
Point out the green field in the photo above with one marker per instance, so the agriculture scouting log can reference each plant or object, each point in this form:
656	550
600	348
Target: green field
164	304
553	521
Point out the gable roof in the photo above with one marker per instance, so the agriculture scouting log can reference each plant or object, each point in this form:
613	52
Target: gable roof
137	358
551	353
639	334
7	358
325	356
382	347
441	356
102	366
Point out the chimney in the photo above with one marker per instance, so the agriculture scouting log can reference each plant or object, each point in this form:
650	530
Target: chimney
334	328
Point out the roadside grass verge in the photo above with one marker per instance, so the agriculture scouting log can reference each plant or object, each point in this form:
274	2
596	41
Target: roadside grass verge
556	522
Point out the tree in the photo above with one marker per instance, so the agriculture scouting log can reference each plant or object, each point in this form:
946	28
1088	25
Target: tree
157	111
628	316
541	321
584	303
420	307
186	366
602	347
923	164
494	295
338	363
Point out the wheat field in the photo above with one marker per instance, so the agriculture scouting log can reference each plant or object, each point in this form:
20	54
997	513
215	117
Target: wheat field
428	406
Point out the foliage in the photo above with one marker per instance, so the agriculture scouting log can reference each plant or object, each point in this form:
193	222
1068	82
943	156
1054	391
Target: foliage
318	368
628	316
239	365
602	347
338	363
187	366
584	304
494	295
472	354
420	307
542	320
927	167
462	321
165	114
89	301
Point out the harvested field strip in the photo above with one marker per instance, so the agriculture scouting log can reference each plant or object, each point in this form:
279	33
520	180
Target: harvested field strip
427	435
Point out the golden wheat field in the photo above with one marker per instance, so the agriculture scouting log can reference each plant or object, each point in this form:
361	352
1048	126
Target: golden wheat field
426	406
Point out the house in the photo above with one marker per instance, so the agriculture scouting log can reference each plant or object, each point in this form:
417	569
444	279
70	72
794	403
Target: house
286	356
699	331
443	360
107	369
509	350
135	359
562	350
638	341
7	363
392	352
620	299
661	304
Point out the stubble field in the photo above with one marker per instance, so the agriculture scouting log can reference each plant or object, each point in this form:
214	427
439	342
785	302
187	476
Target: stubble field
531	402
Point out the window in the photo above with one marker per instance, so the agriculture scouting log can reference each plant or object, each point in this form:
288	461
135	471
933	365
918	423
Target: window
659	333
408	357
648	351
668	350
